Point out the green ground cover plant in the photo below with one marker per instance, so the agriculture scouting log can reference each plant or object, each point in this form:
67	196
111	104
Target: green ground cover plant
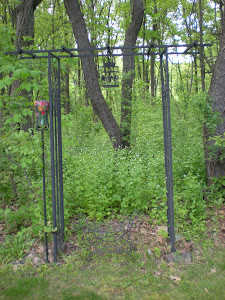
101	182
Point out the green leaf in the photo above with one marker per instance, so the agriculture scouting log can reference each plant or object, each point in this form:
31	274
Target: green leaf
25	73
2	84
36	87
35	74
47	229
9	81
23	164
17	73
26	86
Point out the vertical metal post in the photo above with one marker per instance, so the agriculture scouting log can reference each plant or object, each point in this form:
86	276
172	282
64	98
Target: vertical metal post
168	149
60	156
51	112
44	198
55	101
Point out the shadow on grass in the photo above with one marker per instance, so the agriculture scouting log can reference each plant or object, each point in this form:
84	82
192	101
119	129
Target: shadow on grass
81	296
40	288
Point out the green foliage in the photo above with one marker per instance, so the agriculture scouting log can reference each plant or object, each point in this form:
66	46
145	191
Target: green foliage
15	220
216	192
203	105
98	181
14	246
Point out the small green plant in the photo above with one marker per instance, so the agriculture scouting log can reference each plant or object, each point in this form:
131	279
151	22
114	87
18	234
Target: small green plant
157	252
217	191
14	246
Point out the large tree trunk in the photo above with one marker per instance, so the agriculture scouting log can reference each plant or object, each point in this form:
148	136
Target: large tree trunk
215	160
24	19
91	76
90	73
129	68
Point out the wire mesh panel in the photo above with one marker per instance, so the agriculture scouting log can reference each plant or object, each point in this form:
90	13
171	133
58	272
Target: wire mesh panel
108	237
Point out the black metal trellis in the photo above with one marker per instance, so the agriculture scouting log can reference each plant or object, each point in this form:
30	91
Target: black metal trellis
167	146
56	155
55	120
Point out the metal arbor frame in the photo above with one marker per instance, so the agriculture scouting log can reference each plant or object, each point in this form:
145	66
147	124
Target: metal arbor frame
55	120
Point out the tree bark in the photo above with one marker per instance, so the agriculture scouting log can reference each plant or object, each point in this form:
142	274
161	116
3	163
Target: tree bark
66	90
119	136
154	29
215	160
24	19
90	73
129	68
201	50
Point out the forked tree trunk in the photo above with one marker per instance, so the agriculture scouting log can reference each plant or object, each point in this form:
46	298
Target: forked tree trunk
119	136
90	73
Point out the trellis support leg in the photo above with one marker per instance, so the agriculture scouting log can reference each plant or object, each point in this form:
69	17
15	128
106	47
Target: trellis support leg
168	148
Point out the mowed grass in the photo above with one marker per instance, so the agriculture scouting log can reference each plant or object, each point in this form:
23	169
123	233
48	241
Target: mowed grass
118	277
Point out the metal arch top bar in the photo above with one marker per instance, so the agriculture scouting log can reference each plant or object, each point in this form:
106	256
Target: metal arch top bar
106	55
32	53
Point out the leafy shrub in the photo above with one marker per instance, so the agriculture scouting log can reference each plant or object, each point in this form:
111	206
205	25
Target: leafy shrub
14	246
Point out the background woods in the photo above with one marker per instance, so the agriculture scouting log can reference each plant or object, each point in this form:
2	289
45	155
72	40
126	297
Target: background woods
113	155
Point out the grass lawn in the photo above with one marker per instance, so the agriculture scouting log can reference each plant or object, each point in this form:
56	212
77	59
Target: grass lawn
118	277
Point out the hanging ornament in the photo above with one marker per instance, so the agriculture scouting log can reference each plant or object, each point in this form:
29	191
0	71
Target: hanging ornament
41	108
109	72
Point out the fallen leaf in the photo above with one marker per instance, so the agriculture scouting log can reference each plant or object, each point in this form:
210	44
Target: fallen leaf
170	265
144	231
188	246
176	278
206	290
213	270
160	239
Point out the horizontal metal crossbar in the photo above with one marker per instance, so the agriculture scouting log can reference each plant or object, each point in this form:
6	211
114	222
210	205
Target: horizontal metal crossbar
77	52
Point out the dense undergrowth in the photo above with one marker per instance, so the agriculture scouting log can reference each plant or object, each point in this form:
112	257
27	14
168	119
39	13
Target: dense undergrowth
101	182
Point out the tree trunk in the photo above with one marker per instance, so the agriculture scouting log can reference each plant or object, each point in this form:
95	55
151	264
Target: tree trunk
67	91
128	69
24	19
215	160
154	29
99	104
90	73
201	50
